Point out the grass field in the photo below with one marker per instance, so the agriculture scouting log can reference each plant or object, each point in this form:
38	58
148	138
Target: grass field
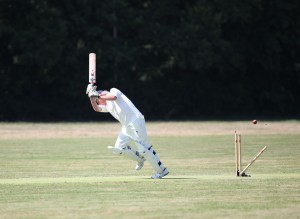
63	170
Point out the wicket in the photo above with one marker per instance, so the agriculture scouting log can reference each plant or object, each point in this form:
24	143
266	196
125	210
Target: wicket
238	156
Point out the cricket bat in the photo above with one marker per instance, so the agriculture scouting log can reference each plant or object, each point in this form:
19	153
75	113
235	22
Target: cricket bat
92	68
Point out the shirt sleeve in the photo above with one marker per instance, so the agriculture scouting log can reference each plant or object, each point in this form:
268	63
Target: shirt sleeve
115	92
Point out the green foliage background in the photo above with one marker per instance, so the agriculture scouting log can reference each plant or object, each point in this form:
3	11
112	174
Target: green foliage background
175	59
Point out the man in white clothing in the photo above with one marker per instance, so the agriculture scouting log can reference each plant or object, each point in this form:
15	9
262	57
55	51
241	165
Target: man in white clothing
133	128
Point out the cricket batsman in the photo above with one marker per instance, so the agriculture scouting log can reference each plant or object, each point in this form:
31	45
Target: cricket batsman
133	128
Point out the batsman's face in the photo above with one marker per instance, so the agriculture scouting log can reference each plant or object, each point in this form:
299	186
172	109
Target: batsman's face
100	101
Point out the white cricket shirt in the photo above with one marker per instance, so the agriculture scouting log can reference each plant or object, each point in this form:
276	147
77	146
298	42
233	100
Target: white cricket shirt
122	108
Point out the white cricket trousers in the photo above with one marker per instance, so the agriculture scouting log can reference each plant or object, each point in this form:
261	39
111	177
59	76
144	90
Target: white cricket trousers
135	131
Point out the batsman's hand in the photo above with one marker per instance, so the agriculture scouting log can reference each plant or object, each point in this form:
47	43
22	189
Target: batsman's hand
90	87
93	93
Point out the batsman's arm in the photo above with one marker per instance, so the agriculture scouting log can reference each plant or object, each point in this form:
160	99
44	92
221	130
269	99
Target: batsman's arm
94	104
108	97
96	107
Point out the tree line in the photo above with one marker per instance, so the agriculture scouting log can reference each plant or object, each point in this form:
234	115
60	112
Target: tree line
175	59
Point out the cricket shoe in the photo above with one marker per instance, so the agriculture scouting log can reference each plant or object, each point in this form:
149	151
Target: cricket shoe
160	175
140	165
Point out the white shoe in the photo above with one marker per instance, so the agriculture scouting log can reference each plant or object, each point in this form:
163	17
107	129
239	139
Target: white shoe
160	175
140	165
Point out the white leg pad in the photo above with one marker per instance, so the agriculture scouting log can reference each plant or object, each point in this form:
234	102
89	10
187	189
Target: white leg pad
114	150
127	152
154	160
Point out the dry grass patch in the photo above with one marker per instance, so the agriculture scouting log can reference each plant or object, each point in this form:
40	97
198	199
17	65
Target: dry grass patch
111	129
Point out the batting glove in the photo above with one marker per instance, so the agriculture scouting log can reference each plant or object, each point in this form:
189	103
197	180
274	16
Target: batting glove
90	87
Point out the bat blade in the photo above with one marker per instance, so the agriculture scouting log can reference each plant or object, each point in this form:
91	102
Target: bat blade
92	68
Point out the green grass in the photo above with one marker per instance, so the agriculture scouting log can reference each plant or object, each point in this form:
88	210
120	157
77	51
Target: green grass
79	178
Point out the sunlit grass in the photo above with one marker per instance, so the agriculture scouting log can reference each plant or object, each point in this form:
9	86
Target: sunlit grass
77	177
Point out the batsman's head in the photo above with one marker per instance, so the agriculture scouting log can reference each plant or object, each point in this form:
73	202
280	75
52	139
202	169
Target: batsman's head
100	101
102	92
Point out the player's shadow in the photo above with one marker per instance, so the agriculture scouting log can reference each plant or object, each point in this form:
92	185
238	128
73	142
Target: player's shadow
174	178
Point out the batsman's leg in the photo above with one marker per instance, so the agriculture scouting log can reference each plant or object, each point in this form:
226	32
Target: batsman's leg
155	162
137	131
122	148
129	153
